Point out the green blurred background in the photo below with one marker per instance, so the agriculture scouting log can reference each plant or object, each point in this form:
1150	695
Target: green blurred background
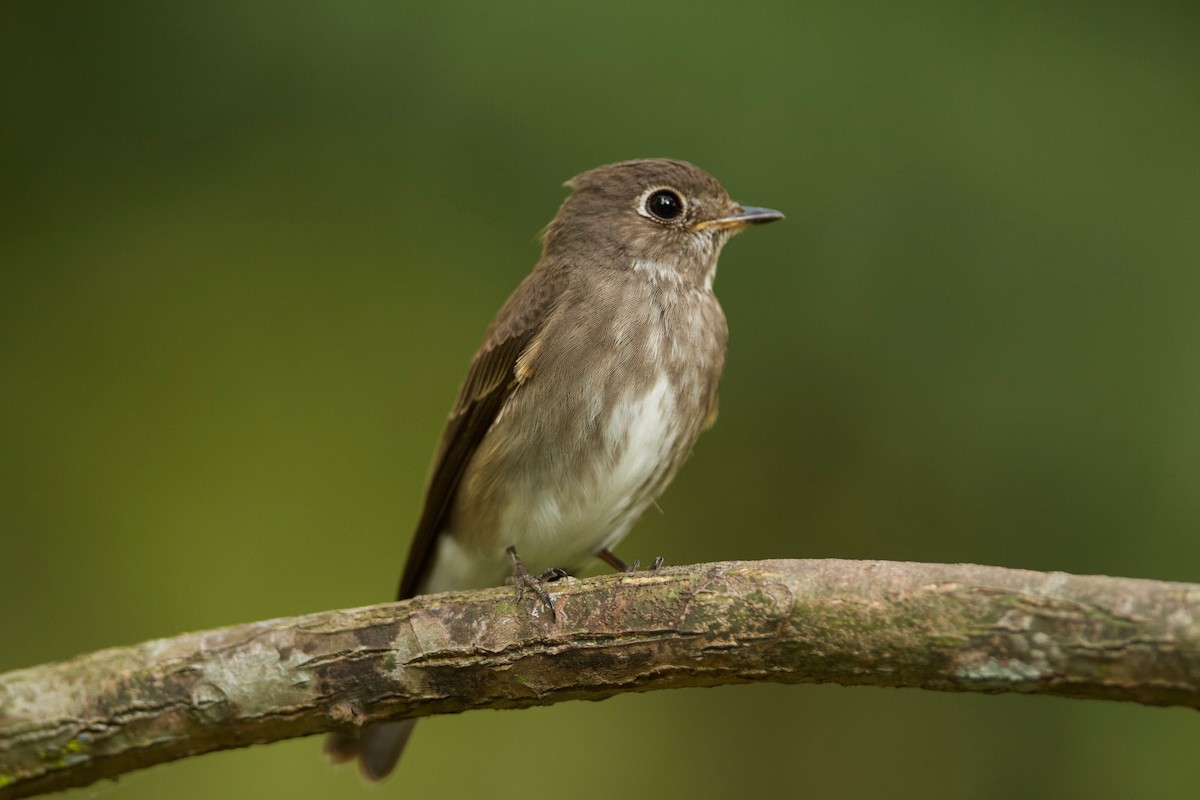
248	249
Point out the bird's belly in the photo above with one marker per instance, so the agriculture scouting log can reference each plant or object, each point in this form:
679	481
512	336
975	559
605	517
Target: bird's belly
557	510
560	517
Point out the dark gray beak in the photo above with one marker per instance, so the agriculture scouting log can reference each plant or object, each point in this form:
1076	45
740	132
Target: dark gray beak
742	216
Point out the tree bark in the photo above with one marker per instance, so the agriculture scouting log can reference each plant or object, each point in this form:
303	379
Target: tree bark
933	626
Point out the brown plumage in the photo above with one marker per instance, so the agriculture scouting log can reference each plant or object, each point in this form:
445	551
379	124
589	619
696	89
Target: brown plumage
591	386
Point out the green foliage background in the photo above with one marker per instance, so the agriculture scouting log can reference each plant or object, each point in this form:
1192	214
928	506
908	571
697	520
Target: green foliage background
248	248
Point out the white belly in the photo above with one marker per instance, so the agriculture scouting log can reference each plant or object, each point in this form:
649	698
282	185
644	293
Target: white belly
560	520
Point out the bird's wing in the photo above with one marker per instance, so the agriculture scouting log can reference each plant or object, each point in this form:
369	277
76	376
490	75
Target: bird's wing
496	372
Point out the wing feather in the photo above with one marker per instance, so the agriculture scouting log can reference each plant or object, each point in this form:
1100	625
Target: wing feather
493	376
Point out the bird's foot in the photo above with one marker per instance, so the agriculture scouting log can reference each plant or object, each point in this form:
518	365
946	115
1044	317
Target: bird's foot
614	561
523	579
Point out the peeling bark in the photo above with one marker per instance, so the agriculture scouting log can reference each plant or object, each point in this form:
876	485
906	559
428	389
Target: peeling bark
944	627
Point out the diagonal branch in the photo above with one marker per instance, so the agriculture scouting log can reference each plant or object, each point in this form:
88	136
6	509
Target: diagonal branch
945	627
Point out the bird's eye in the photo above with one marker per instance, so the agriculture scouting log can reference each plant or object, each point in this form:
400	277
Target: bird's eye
664	204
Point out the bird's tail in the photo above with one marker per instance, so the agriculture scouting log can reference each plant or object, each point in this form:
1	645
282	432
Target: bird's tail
377	747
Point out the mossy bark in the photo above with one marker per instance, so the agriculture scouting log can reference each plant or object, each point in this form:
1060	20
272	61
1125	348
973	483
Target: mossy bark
944	627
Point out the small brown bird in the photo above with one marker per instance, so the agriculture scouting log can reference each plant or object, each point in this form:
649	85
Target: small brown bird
591	386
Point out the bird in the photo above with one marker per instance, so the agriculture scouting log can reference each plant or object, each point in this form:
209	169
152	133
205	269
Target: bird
588	392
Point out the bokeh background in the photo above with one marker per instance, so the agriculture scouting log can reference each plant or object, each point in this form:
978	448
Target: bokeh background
248	249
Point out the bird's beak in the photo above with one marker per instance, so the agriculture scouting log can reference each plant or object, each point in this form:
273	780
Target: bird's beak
740	218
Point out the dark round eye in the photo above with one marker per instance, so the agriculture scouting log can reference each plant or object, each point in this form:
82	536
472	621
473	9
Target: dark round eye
664	204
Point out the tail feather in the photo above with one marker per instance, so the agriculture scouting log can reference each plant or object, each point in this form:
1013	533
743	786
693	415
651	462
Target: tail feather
377	747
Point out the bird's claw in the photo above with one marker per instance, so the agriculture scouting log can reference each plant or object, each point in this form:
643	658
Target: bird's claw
523	579
614	561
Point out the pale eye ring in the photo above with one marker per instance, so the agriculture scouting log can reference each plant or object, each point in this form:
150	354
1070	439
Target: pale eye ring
664	204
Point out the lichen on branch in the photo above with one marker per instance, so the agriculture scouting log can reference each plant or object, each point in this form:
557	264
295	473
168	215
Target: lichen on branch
933	626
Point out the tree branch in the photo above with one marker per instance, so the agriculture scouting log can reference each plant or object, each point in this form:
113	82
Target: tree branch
945	627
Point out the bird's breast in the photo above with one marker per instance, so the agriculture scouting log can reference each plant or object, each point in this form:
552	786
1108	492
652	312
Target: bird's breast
613	404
